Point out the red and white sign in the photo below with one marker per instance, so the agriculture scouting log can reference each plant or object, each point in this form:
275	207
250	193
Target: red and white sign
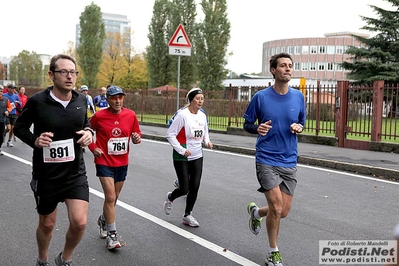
179	44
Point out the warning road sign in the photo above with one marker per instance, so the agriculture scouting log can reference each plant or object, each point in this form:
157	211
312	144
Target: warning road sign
179	44
180	38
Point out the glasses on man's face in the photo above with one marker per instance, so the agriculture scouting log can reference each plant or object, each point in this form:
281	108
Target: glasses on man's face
64	72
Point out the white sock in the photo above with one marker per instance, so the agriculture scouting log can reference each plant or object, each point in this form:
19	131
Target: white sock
256	214
273	249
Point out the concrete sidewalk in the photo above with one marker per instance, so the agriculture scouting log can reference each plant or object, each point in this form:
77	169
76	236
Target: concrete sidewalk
378	164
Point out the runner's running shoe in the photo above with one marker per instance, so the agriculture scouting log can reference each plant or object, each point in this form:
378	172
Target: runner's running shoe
9	144
274	259
254	224
103	227
60	262
167	205
190	221
42	263
112	240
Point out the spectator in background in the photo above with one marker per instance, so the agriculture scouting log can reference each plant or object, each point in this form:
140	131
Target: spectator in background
23	98
12	116
100	101
90	105
5	108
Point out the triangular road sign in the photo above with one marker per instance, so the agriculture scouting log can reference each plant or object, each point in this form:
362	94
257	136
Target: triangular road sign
180	38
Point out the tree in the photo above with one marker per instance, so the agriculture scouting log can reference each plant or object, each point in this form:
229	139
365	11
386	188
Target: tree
137	76
379	59
158	59
114	63
91	41
211	42
183	12
26	68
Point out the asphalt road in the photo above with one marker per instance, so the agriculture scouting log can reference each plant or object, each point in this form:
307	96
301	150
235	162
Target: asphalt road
328	205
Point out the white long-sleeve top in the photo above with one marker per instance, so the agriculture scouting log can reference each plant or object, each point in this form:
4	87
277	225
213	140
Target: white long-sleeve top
187	132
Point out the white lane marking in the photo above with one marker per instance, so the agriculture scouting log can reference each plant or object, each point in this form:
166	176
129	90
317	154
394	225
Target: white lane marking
189	236
203	242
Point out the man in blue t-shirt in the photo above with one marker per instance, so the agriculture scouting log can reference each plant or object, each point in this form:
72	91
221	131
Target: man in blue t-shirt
276	114
100	101
12	117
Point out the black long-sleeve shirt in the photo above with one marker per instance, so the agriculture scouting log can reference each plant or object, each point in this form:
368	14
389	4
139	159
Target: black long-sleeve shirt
48	115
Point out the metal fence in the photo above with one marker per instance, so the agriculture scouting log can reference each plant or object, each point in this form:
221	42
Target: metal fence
366	109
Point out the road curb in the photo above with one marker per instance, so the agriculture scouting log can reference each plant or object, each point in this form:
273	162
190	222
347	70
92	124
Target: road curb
377	172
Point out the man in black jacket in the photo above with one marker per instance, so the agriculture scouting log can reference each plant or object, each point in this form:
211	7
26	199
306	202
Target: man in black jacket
61	128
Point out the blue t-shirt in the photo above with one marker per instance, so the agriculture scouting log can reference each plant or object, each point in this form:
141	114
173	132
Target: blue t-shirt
279	147
15	102
101	101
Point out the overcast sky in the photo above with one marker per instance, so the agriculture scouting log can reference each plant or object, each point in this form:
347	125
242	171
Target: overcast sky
46	26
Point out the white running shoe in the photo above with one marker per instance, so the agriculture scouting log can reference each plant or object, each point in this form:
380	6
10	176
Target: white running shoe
167	205
190	221
112	241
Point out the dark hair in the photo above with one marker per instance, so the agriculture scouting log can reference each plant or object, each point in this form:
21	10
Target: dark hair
274	60
54	59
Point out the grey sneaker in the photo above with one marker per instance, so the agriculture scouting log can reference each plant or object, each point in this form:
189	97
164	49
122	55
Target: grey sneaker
1	153
167	205
103	227
15	139
42	263
112	240
9	144
190	221
274	259
60	262
254	224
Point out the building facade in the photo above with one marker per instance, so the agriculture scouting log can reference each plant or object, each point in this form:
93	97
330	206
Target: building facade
314	58
113	23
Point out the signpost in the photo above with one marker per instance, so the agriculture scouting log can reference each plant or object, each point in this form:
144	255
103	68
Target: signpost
179	45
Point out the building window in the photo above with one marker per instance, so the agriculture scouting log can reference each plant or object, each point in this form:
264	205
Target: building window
305	49
297	49
313	49
273	51
322	66
330	49
312	66
305	66
283	49
330	66
322	49
277	50
289	50
338	67
296	66
339	49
